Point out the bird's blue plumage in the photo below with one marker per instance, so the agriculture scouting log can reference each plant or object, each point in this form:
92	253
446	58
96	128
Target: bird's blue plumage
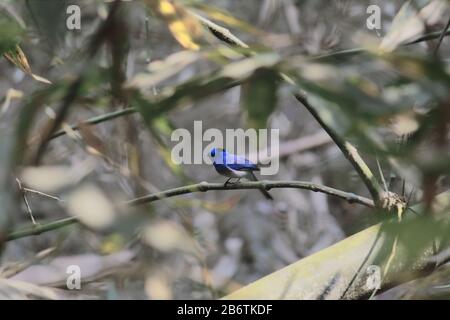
234	166
235	162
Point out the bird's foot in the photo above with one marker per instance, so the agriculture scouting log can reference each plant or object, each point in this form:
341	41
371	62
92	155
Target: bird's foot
227	182
232	183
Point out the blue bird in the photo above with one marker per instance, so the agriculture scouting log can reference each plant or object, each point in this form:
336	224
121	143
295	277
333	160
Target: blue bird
234	166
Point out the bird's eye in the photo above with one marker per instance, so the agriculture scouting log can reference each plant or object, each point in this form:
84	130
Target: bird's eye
213	152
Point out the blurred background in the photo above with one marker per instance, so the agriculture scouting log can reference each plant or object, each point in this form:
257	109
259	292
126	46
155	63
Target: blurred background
132	57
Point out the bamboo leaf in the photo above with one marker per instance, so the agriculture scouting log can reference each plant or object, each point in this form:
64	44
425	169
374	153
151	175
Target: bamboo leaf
11	32
161	70
225	17
409	24
183	26
259	97
18	58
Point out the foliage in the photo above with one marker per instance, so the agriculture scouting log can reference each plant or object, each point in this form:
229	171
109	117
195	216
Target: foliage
92	136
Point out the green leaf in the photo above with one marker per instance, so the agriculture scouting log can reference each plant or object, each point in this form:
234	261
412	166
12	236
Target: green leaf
260	96
10	33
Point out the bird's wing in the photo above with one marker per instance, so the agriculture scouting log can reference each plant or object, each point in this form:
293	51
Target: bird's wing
238	163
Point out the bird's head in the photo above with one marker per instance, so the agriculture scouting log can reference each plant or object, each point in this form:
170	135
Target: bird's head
216	153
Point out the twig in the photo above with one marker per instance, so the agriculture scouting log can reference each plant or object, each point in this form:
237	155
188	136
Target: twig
203	187
41	228
441	37
429	36
349	151
25	200
96	120
380	172
425	37
43	194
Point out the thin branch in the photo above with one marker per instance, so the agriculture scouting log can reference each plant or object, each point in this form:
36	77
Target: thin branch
426	37
349	151
441	37
203	187
380	172
96	120
41	228
43	194
264	185
429	36
25	200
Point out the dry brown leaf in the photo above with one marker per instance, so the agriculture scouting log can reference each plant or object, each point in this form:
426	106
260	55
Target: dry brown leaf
95	143
19	59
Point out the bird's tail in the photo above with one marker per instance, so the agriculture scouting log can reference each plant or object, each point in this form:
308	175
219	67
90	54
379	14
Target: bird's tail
263	191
